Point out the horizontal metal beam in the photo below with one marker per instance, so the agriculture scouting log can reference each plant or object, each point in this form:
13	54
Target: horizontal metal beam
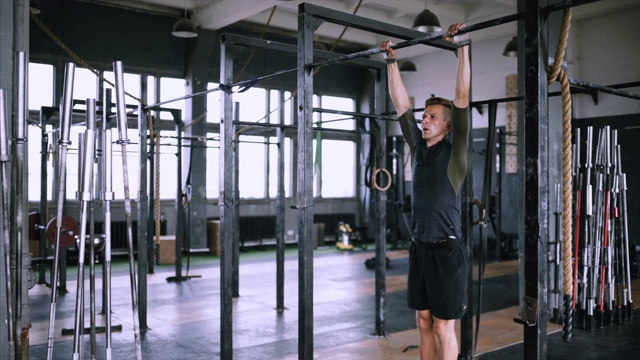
366	24
604	89
428	39
292	49
565	4
295	127
355	114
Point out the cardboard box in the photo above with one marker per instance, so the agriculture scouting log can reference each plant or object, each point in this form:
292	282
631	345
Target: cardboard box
34	248
213	237
167	245
317	234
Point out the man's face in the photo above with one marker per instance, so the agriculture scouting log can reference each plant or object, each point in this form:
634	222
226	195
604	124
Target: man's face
434	126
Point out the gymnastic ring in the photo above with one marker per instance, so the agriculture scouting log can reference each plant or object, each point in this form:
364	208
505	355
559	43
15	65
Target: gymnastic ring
481	212
374	183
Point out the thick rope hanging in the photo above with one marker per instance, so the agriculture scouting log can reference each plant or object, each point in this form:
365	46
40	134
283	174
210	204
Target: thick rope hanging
557	73
152	132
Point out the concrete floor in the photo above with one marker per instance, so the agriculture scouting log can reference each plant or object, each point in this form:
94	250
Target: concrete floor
184	318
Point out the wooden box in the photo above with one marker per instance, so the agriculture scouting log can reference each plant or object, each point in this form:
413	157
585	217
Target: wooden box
213	237
167	244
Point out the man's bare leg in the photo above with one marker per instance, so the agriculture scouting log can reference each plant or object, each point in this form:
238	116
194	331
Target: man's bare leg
437	337
428	343
446	339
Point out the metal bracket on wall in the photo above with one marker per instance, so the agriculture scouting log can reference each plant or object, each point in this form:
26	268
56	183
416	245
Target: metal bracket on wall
528	312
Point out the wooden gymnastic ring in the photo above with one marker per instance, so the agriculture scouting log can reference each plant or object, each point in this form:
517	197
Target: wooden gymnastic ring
375	183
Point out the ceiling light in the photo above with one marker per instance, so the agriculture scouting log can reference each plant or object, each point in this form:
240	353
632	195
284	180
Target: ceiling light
34	7
427	22
184	28
408	67
512	47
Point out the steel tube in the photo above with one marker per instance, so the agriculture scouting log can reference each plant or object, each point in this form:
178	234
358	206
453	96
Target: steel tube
63	142
107	197
355	114
604	89
19	177
91	124
123	141
85	196
281	126
248	82
422	40
5	159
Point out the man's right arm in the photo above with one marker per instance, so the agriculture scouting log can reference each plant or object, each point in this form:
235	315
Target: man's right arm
398	92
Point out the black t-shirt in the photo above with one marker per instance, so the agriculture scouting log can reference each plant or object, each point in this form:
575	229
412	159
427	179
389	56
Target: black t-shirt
438	173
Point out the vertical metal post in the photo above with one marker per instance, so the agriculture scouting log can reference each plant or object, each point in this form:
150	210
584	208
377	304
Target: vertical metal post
305	200
235	217
498	203
534	162
20	202
5	164
85	196
143	208
123	140
180	223
106	112
151	204
107	197
63	142
42	241
381	210
280	202
467	198
226	203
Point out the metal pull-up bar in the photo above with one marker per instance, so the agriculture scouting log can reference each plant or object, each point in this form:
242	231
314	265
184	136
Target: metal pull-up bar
422	40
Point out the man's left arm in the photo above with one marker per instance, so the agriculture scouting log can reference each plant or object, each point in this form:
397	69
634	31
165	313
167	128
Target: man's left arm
460	112
463	69
457	169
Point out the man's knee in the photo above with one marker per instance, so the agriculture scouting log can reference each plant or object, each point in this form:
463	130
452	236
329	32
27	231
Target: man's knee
444	328
424	320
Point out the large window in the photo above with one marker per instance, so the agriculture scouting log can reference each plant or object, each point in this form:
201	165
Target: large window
171	88
258	155
40	94
335	163
213	168
213	104
252	167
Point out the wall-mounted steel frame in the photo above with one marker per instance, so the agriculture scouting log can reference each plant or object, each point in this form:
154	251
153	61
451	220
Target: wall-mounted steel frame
309	18
228	173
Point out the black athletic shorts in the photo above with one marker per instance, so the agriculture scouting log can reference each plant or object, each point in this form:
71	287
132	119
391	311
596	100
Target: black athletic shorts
437	279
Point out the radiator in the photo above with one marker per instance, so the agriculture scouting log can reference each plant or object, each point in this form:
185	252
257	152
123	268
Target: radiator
119	234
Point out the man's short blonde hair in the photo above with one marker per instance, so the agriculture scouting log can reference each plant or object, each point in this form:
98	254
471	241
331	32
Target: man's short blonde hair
440	101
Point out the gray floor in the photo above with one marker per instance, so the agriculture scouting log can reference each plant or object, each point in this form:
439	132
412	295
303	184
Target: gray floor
184	318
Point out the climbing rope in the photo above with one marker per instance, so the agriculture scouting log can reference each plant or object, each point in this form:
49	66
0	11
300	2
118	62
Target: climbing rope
152	132
557	73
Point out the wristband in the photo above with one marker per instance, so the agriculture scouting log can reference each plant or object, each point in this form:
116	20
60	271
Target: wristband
390	61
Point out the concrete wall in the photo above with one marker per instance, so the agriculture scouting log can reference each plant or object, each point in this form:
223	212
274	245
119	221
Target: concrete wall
602	49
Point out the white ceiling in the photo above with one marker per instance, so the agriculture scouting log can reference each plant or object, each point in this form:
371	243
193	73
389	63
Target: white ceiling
216	14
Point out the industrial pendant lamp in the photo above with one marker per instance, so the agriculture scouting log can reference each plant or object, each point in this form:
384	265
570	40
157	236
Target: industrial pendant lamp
34	7
426	21
512	47
408	67
184	28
